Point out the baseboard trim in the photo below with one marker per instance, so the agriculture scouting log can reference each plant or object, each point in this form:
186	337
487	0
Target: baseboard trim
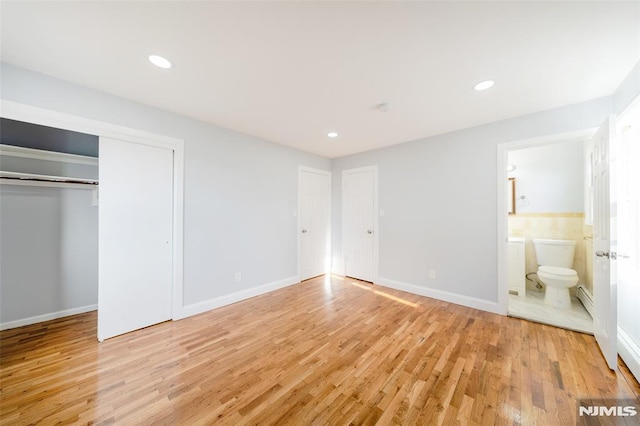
46	317
227	299
337	270
629	351
584	295
458	299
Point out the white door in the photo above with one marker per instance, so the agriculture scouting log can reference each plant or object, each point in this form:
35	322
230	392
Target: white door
135	236
358	222
628	258
604	242
314	222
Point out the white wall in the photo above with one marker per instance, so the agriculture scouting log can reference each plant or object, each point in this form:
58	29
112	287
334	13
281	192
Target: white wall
550	177
627	91
439	193
439	196
240	191
48	252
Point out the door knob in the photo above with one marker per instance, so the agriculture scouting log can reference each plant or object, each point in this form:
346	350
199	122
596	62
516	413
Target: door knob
304	231
601	253
369	231
613	256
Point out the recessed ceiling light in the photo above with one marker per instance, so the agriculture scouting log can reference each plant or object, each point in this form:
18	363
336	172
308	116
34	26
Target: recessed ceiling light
484	85
159	61
332	134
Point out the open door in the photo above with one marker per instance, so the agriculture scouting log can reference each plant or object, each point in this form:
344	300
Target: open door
628	259
605	322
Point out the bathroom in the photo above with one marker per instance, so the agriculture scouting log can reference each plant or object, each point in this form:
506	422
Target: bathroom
550	198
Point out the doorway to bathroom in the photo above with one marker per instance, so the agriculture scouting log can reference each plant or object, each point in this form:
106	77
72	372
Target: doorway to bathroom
549	212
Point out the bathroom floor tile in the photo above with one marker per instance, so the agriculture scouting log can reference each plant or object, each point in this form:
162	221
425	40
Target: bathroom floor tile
533	308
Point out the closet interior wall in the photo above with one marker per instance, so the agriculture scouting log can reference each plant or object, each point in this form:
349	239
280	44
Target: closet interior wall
48	240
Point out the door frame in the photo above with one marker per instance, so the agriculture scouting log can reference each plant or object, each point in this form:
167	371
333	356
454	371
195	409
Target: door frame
326	173
376	214
46	117
502	204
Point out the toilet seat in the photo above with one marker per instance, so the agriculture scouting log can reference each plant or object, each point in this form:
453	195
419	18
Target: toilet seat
558	271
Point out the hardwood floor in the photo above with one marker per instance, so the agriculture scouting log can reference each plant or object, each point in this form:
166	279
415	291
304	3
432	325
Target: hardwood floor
328	351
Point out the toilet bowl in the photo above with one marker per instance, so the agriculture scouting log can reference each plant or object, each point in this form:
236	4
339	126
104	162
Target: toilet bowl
554	259
558	281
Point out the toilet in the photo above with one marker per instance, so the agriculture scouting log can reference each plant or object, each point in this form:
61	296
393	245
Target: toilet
555	259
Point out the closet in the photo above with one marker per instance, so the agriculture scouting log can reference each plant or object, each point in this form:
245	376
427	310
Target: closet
56	257
48	223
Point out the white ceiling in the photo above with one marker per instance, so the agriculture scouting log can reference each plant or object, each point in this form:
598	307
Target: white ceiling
290	72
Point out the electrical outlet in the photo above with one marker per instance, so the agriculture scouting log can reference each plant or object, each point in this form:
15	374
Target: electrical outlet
432	274
238	276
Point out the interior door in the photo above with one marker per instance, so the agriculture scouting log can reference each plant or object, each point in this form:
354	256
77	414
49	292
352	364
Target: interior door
314	222
135	236
604	242
358	222
628	258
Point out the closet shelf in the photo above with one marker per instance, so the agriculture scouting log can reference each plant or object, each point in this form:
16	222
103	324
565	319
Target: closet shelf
35	179
39	154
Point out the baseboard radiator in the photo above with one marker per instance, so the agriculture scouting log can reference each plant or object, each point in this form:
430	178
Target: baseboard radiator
584	295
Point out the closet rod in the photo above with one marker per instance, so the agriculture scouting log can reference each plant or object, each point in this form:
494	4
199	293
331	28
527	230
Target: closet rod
16	176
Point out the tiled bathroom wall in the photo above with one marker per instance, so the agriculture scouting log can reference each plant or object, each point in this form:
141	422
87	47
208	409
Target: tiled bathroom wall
560	226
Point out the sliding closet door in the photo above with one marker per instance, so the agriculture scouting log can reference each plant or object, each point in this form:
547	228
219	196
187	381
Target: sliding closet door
135	236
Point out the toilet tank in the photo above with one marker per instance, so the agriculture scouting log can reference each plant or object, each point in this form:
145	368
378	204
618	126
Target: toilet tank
554	252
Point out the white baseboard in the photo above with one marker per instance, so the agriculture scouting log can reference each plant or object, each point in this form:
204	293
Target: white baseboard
629	351
585	296
458	299
337	270
47	317
207	305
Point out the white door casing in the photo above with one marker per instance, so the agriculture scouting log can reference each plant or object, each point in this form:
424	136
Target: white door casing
503	150
604	242
314	222
135	236
359	222
56	119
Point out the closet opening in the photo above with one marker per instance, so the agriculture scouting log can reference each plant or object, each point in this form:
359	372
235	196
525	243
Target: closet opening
48	223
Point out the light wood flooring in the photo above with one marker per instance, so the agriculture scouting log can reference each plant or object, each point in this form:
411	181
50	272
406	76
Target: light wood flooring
329	351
